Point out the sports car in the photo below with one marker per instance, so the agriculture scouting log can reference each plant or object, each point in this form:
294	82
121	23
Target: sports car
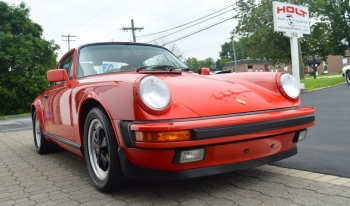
135	111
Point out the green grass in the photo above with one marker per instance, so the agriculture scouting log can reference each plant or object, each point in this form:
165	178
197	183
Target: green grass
15	115
322	75
311	84
330	74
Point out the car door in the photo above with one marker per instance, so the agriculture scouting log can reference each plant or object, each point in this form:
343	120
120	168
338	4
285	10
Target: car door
57	108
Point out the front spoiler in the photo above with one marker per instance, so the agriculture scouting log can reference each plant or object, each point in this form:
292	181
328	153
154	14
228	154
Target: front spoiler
133	171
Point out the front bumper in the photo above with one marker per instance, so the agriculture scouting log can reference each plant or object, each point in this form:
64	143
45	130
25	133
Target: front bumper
134	171
268	136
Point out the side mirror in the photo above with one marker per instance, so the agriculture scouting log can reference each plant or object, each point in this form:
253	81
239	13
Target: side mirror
204	71
57	75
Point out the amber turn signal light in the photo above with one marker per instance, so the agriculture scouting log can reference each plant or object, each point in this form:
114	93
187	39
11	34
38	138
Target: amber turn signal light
167	136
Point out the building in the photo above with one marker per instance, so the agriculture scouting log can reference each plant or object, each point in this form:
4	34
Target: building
335	64
256	65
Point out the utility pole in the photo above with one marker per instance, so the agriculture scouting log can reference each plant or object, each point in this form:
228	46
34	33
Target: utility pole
132	28
234	53
68	39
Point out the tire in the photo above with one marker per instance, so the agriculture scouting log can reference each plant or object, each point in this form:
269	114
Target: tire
42	146
347	76
101	152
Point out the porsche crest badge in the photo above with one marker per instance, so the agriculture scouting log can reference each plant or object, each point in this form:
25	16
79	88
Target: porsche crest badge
241	101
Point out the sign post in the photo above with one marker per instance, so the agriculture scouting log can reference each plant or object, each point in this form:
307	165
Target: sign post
293	21
294	52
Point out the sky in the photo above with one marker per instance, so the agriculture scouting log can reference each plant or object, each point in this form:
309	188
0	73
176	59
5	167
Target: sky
102	21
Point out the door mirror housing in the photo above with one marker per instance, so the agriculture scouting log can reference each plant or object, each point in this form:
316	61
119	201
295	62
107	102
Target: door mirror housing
57	75
204	71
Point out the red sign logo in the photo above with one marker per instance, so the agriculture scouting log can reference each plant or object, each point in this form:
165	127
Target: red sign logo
291	9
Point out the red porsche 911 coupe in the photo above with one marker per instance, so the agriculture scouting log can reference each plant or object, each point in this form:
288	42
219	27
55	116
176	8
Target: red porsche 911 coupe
136	111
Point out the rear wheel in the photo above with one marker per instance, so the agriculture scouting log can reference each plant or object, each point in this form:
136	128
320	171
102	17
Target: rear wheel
42	146
347	76
101	152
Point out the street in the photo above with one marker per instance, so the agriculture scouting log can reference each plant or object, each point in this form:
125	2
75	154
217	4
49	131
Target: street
326	147
13	124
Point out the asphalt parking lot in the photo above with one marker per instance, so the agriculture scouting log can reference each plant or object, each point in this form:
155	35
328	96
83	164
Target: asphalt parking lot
27	178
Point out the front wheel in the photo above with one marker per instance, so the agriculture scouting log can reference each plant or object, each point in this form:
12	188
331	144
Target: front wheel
347	76
42	146
101	152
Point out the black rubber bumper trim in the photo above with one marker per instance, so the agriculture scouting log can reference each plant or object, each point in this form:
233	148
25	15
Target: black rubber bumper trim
64	141
127	135
206	133
133	171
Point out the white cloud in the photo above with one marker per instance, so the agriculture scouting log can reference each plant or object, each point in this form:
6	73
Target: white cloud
101	21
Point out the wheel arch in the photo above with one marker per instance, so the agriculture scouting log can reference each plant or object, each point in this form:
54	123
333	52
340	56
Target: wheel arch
85	107
32	110
36	107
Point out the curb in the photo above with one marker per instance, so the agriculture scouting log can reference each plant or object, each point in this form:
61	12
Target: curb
318	177
303	91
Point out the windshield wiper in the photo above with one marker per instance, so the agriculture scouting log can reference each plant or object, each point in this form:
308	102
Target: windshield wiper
157	67
188	69
161	67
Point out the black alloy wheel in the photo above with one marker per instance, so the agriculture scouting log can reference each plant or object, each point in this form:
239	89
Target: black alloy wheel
101	152
42	146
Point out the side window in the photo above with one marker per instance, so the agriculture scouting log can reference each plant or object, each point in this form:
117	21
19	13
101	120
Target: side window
67	65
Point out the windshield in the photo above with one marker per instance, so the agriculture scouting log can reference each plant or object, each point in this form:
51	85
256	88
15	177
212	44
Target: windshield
99	59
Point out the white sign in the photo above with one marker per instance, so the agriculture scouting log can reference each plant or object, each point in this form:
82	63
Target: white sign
291	18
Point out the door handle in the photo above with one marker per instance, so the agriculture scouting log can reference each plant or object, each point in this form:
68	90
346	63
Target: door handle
46	95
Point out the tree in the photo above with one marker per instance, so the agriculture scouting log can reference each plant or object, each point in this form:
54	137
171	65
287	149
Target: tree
256	29
171	47
319	41
25	58
195	64
227	51
331	34
220	63
209	63
192	63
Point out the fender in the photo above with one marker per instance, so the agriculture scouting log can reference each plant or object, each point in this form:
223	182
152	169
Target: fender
38	109
92	95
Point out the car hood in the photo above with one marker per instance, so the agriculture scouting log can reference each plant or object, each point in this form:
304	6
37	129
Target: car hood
226	93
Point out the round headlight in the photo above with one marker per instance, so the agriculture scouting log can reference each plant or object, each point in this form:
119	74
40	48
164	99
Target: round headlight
290	86
154	93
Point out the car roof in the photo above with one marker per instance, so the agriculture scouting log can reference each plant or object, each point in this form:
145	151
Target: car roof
118	43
